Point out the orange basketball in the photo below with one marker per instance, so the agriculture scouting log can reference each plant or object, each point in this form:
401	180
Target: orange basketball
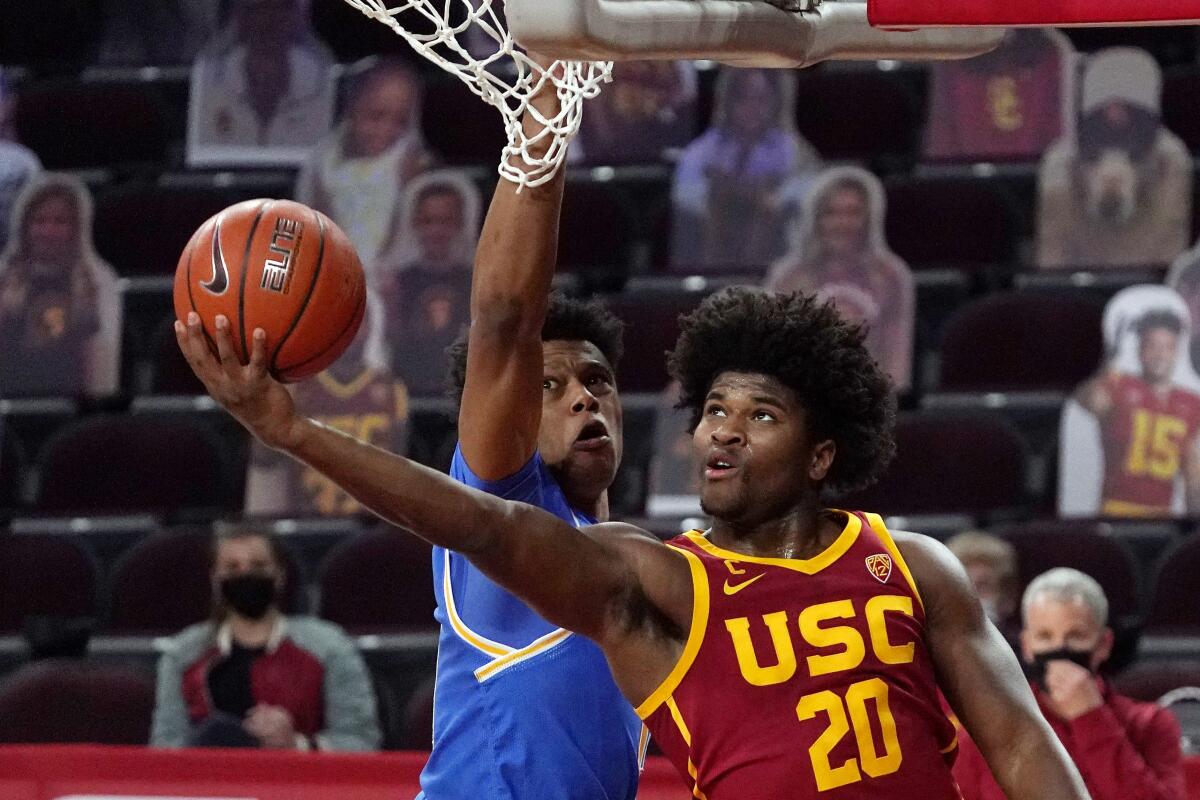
279	266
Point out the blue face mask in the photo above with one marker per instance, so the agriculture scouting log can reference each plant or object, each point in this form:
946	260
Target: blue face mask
1037	668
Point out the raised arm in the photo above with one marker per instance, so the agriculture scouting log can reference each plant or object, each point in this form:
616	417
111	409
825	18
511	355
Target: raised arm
590	582
981	678
1095	395
501	407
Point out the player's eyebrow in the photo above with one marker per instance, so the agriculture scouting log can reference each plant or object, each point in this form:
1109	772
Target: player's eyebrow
715	395
767	399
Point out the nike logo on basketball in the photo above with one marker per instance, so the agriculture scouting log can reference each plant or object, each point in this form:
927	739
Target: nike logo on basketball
220	278
737	587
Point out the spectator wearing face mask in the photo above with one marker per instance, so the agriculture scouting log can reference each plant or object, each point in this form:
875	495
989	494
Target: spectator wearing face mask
255	677
991	564
1124	750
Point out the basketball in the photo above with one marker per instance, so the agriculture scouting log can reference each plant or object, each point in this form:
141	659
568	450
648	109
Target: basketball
280	266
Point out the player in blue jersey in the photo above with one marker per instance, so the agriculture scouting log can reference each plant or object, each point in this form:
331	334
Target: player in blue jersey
524	709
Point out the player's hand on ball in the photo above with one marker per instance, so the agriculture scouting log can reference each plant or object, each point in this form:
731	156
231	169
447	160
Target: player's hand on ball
247	391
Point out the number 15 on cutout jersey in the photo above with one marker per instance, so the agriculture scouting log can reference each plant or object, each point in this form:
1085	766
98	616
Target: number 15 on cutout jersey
805	679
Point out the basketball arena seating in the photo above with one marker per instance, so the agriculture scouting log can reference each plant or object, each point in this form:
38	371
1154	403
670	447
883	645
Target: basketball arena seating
85	124
47	575
1021	341
882	126
134	462
974	230
961	463
162	583
1174	607
378	581
63	701
1083	546
105	520
172	206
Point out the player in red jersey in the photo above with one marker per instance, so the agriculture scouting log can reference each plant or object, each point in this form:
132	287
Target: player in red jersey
1148	426
786	652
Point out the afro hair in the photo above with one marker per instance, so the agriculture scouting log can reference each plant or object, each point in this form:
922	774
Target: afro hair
567	319
804	344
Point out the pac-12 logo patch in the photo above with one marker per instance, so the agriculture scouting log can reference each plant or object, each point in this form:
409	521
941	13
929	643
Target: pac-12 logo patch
880	566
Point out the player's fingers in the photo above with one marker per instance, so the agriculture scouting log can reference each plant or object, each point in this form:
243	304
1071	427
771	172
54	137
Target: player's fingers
225	343
258	354
195	348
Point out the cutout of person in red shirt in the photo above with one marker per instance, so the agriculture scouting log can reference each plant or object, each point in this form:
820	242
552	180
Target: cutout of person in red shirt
1144	406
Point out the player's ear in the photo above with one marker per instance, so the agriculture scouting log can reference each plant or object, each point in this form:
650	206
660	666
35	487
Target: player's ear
822	459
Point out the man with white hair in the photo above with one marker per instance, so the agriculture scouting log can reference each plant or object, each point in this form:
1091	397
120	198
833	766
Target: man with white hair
1124	749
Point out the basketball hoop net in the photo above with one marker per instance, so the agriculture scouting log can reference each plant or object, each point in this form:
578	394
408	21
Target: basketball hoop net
439	31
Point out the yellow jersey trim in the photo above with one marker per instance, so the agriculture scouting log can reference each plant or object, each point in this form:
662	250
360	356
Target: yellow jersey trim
344	390
693	771
885	536
700	602
481	643
953	744
539	645
1123	508
809	566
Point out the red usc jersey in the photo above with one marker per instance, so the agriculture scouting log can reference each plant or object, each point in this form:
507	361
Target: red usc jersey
1145	436
805	678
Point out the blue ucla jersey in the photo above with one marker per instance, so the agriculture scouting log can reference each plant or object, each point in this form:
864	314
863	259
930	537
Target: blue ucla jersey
522	710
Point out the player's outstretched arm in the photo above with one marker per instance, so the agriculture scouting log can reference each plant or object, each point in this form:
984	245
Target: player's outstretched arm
981	678
501	407
589	582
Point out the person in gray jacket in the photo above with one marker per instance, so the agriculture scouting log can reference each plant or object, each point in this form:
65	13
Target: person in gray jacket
254	677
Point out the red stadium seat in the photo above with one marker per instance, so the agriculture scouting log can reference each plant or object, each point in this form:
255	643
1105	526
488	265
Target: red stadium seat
857	114
45	575
1150	680
458	125
1175	607
170	373
651	315
380	580
950	222
142	228
595	229
950	463
111	463
60	702
1083	546
1022	341
12	468
162	584
75	124
418	718
1181	104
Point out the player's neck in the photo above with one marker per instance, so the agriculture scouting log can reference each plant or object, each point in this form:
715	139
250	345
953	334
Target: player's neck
798	533
594	507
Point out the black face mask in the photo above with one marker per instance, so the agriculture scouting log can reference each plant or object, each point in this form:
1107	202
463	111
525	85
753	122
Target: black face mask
250	594
1037	669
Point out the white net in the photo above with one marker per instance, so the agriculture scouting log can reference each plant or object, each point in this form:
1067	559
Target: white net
469	38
